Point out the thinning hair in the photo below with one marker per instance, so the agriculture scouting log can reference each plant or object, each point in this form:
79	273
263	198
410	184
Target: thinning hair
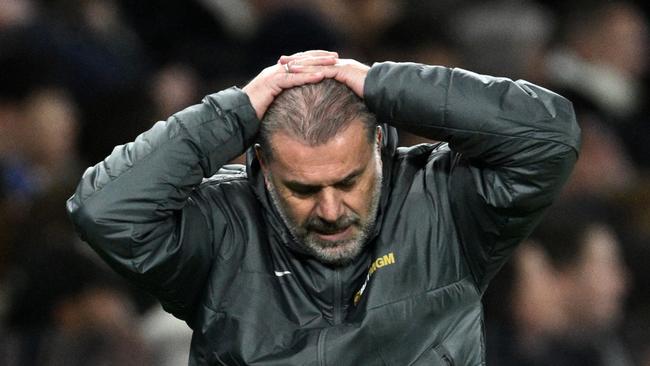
314	114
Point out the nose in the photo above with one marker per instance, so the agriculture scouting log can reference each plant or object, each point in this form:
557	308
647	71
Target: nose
330	205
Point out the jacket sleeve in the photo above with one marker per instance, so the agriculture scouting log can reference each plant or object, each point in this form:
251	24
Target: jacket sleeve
136	210
514	146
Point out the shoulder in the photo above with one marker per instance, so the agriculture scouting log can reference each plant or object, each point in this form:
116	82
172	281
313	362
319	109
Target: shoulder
421	155
227	173
228	186
424	168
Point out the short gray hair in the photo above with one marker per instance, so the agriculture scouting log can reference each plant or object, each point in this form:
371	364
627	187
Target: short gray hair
314	113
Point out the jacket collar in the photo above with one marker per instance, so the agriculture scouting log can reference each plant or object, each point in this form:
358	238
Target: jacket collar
256	180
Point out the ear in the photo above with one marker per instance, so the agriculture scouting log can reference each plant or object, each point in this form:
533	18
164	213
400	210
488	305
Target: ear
380	137
259	154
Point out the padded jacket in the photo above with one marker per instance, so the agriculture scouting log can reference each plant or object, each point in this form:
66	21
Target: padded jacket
167	214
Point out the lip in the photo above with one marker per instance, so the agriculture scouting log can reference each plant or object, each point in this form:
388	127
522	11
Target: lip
341	235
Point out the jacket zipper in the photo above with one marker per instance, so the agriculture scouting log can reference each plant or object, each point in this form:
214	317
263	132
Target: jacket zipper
337	316
337	311
321	347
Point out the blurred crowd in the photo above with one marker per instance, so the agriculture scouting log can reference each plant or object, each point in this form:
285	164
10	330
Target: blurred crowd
78	77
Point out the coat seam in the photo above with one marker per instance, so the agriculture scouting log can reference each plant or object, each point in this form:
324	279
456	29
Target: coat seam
484	133
437	289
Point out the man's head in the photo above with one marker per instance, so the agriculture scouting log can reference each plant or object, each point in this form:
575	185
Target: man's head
319	148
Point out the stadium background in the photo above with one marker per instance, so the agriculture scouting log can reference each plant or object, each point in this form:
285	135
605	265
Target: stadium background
78	77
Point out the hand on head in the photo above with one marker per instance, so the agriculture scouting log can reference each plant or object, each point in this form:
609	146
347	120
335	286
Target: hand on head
347	71
303	68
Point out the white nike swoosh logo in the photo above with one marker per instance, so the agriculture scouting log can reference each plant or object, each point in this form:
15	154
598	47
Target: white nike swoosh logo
282	273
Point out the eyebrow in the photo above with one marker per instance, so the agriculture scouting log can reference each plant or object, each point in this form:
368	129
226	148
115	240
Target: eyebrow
299	186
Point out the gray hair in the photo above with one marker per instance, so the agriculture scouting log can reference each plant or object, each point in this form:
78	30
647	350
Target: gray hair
314	114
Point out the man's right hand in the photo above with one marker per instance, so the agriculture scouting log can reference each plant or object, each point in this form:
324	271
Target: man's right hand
274	79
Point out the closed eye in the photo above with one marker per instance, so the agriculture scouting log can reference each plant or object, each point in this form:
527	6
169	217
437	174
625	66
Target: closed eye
303	190
346	184
306	190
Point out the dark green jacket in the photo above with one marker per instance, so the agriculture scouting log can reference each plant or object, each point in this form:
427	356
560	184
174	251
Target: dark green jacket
217	254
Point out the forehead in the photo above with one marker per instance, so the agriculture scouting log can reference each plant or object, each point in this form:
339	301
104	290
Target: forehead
326	163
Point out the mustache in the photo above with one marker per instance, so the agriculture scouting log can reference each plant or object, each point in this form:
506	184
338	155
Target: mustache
330	227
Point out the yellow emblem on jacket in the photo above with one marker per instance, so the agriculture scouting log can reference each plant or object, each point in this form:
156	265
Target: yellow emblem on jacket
380	262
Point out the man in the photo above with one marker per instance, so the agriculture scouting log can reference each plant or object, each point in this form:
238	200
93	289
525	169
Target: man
332	248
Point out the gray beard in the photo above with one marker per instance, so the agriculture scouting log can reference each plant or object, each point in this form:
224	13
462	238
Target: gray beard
339	252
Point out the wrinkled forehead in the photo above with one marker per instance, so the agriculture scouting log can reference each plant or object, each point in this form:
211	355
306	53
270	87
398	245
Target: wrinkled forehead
348	151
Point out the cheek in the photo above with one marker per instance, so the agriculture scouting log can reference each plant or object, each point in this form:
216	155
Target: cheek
359	199
299	210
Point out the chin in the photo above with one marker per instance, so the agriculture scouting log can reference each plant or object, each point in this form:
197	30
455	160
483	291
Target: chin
338	254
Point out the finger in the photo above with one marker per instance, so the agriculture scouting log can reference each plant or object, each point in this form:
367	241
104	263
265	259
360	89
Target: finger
328	70
311	65
317	64
314	53
348	72
329	59
313	61
287	81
